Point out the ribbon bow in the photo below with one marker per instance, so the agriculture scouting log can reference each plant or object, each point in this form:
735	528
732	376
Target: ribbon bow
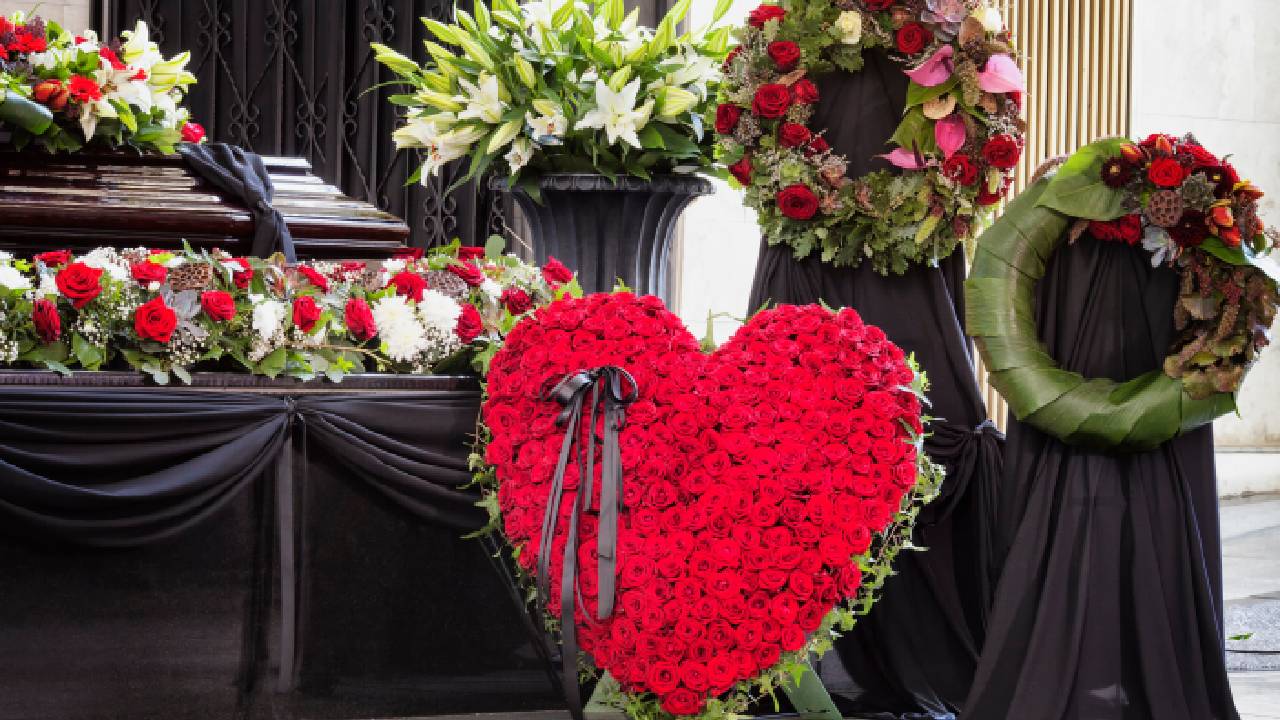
610	390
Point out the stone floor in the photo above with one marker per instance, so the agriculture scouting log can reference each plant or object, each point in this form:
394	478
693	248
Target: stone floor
1251	557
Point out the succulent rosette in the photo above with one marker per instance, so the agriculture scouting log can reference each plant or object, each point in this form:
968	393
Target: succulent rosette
62	91
952	156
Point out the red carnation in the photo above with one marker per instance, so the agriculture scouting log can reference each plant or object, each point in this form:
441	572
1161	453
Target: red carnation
79	283
408	284
772	100
83	89
44	315
314	277
960	169
306	313
555	272
764	14
1002	151
54	258
793	135
155	321
913	38
193	133
359	320
785	54
798	202
112	59
218	305
1167	172
516	301
244	275
727	116
146	272
468	272
1127	229
470	325
741	170
805	92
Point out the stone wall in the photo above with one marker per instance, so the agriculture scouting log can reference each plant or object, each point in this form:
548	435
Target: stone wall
75	15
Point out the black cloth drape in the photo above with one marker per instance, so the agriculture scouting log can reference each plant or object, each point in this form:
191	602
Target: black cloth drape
914	655
244	176
1110	602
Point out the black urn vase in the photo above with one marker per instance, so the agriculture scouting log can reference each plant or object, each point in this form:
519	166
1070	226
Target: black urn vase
607	230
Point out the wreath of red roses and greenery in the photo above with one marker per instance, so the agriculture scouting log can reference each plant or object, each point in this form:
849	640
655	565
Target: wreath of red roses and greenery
960	138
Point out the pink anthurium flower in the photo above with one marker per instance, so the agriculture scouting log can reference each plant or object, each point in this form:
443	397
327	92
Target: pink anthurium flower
1002	75
904	159
936	70
950	132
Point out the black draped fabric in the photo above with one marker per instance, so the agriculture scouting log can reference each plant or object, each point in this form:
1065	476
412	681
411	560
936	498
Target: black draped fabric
1110	602
244	176
915	654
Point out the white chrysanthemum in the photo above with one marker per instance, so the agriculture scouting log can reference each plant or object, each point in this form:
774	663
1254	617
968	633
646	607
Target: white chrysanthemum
439	311
398	328
491	288
109	261
11	278
267	316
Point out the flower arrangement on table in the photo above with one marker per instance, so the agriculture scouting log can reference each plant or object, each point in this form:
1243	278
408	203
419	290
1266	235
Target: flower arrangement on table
561	86
62	91
957	146
167	313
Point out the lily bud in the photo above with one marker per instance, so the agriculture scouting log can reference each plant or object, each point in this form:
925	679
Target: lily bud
674	102
505	134
546	107
439	101
397	63
525	70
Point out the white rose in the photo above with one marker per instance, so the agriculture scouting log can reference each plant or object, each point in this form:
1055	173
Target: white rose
267	316
850	26
991	19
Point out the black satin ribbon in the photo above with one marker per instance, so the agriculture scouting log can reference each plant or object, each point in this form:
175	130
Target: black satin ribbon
245	176
606	391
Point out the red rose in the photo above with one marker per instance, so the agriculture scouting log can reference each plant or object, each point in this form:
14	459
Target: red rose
465	253
80	283
305	313
1127	229
1203	158
793	135
555	272
469	324
408	284
785	54
155	321
764	14
913	37
805	92
470	273
146	272
192	133
960	169
771	101
218	305
516	301
359	319
683	701
727	117
314	277
987	197
663	677
242	277
741	170
876	5
1167	172
44	314
54	258
1002	151
818	146
728	59
798	202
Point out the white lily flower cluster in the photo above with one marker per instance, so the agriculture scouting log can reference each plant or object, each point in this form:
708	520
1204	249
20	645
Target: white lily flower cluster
560	85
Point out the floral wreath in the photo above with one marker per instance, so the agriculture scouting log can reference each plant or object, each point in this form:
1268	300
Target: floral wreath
1193	213
956	147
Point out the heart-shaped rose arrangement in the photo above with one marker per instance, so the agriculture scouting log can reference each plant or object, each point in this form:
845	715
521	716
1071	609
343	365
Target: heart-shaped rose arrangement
757	481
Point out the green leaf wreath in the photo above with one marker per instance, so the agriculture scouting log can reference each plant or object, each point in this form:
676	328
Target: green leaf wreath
954	151
1192	212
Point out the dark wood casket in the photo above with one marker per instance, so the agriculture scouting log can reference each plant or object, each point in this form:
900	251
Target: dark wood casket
124	200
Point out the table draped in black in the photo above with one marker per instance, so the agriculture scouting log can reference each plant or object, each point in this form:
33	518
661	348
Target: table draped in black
915	654
1110	602
238	553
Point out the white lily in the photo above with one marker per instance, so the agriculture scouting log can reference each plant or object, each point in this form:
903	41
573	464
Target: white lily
616	113
91	112
138	50
548	126
520	154
436	136
483	99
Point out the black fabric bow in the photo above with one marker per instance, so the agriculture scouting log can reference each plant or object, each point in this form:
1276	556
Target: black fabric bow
611	390
245	177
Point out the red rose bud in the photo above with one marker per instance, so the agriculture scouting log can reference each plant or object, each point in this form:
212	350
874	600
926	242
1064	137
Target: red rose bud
469	324
155	321
244	275
727	117
741	170
764	14
793	135
306	313
733	55
785	54
51	93
218	305
468	272
359	319
44	315
798	202
960	169
466	252
556	273
877	5
805	92
410	285
193	133
54	258
987	197
146	272
1002	152
772	101
818	146
516	301
1166	172
79	283
314	277
912	38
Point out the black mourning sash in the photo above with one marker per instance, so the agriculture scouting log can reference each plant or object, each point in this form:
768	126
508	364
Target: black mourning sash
610	390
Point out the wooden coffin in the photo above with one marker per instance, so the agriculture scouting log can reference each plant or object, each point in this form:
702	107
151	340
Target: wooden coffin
83	201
